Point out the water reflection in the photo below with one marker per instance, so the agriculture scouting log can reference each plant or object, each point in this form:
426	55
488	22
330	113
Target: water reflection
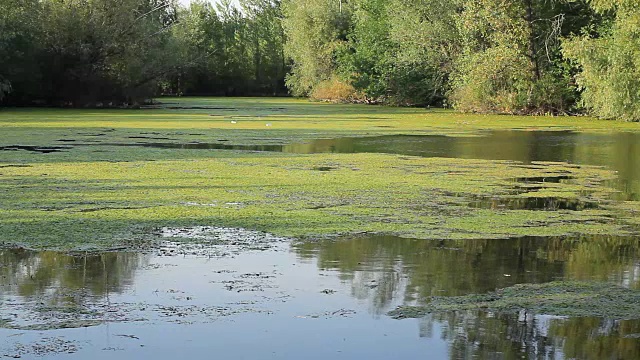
381	269
617	151
33	274
282	290
384	268
482	335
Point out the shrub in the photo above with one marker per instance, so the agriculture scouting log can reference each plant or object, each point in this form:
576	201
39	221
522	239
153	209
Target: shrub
336	90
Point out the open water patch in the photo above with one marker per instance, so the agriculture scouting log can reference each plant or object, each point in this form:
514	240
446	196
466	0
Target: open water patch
326	295
193	146
532	203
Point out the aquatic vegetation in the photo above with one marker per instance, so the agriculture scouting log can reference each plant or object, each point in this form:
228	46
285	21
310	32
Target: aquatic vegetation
243	121
577	299
104	204
89	179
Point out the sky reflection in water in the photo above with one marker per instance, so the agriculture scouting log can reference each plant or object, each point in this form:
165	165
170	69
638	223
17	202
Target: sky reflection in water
317	300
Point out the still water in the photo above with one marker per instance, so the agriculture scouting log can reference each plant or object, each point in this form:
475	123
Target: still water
329	299
318	300
616	151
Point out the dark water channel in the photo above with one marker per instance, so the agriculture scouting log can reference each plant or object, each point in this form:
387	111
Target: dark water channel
616	151
317	300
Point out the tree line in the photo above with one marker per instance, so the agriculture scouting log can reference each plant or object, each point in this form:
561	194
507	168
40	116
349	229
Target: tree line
505	56
518	57
100	52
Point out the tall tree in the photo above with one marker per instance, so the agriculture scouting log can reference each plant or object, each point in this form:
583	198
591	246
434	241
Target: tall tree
230	51
428	44
20	39
267	43
610	61
314	30
85	51
507	62
367	59
105	51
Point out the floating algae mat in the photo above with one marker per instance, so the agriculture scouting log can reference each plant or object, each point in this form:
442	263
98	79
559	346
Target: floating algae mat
107	205
327	298
556	298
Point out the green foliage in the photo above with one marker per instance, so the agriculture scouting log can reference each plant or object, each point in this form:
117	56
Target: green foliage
92	52
315	30
229	51
477	55
20	35
101	52
365	44
367	59
267	38
427	43
610	62
85	51
509	61
484	55
5	88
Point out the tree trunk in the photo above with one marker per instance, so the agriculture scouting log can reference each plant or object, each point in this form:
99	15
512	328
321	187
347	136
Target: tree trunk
533	51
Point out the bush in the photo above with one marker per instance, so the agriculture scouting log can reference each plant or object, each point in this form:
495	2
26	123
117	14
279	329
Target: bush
610	77
336	90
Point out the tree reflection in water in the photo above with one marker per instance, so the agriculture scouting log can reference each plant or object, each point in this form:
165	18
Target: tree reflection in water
484	335
65	278
382	268
389	271
617	151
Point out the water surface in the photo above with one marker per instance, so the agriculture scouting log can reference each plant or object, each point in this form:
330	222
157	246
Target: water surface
329	299
617	151
311	300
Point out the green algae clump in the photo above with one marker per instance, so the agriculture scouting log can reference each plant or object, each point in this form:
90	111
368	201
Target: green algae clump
575	299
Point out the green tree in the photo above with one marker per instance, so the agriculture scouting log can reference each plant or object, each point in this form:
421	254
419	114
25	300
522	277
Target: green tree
266	44
509	61
226	51
85	51
20	34
101	51
315	30
366	60
199	37
610	61
428	43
